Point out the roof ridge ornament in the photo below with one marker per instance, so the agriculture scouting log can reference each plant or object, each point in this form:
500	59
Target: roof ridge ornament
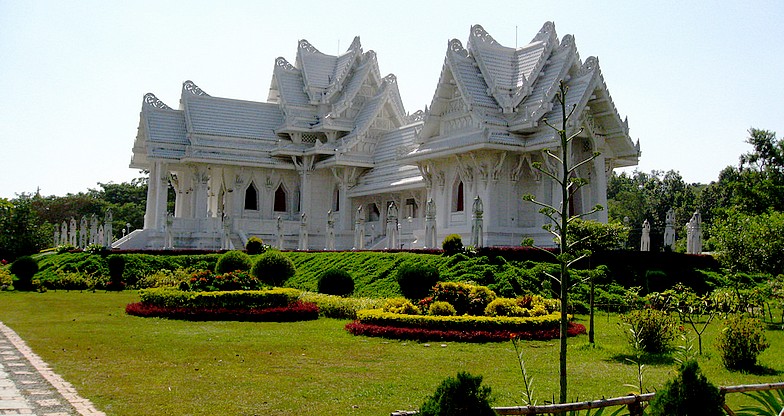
546	33
457	47
281	62
152	101
588	66
304	44
478	32
355	44
567	42
194	89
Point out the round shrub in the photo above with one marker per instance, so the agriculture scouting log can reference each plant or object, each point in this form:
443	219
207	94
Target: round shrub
459	396
401	306
6	280
116	264
741	341
438	308
336	282
24	268
416	279
452	244
273	268
504	307
650	330
690	393
232	261
254	246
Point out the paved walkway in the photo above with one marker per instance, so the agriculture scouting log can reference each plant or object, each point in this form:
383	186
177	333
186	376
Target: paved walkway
29	387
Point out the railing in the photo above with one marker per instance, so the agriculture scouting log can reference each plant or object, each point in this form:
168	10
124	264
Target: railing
634	403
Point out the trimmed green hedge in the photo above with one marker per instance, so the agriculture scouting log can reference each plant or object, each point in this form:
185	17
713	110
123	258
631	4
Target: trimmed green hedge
459	323
175	298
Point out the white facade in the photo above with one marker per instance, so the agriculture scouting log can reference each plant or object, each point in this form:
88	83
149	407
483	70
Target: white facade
334	136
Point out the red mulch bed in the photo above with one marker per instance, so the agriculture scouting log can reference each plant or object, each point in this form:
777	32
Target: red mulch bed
297	311
422	334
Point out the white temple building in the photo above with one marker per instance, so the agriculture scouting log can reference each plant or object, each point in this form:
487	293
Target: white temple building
333	142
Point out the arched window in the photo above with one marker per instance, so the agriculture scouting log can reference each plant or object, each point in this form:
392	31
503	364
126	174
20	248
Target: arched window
280	199
252	198
372	212
458	197
336	199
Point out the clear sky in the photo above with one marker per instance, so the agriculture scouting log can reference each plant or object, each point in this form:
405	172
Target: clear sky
692	76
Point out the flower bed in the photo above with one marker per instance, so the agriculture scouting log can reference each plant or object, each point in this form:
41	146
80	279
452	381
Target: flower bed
424	334
296	311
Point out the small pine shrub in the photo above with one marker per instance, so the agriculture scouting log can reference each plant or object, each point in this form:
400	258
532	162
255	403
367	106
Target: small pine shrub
401	306
459	396
741	341
650	330
273	268
6	280
232	261
439	308
255	245
416	279
24	268
116	264
336	282
689	394
452	244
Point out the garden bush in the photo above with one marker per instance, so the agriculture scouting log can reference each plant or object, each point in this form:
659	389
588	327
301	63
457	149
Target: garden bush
273	268
254	246
452	244
416	279
689	394
466	298
116	264
741	341
295	311
439	308
650	330
458	322
242	299
165	278
459	396
206	281
336	282
6	280
401	306
338	307
233	260
24	268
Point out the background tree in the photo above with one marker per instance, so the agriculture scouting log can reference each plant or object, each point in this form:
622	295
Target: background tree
21	230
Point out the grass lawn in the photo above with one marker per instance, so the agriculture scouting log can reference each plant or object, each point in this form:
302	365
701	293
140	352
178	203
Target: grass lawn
130	366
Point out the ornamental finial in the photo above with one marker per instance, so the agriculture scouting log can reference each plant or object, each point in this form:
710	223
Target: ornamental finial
151	100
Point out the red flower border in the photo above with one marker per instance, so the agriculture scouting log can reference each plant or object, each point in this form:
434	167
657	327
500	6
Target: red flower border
423	334
296	311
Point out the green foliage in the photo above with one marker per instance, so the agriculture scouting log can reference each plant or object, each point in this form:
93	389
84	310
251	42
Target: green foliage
523	307
458	322
452	244
273	268
21	230
400	305
768	403
459	396
116	264
689	394
597	236
416	279
338	307
750	243
24	268
6	280
440	308
465	298
336	282
233	260
254	246
650	330
206	281
741	341
164	278
243	299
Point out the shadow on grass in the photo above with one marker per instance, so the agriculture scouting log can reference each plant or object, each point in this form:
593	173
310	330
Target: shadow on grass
759	370
647	359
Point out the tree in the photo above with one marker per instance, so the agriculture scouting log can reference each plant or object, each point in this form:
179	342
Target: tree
560	218
21	231
750	243
596	236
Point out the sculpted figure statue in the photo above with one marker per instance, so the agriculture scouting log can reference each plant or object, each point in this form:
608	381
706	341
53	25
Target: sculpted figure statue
645	240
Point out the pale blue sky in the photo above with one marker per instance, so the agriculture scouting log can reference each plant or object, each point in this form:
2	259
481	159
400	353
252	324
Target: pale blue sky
691	76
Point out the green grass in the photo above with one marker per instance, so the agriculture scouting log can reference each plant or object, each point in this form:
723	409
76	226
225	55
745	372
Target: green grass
129	366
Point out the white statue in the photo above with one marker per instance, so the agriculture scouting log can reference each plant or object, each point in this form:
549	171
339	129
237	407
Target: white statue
430	224
83	233
359	230
694	234
303	232
93	229
279	230
393	233
477	224
645	240
168	242
108	233
330	231
669	229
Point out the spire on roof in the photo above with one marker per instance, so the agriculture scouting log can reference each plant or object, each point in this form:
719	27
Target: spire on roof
191	87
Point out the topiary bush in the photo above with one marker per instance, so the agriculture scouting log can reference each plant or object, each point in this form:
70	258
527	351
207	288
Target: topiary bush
690	393
273	268
255	245
741	341
401	306
116	264
459	396
232	261
452	244
416	279
440	308
336	282
24	268
650	330
466	298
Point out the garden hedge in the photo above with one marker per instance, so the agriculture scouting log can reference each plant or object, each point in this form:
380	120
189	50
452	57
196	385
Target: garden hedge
458	323
241	299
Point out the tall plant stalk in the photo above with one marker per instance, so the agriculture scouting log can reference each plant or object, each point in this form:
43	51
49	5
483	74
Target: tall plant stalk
560	218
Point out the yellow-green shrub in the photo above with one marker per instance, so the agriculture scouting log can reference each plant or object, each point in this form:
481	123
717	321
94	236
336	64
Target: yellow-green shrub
168	297
400	306
439	308
458	322
338	307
